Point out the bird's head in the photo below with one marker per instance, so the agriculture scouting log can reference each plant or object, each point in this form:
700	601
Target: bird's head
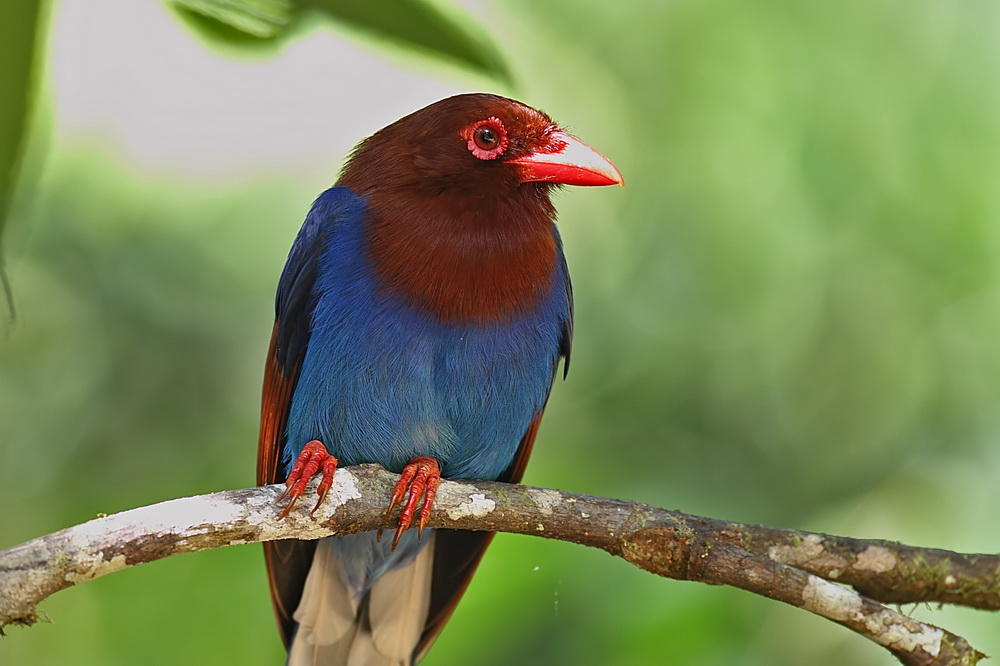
460	221
478	143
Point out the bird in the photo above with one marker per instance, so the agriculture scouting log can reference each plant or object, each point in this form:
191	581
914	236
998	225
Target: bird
420	321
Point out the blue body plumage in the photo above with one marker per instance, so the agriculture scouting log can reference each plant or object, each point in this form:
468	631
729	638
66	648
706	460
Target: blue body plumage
383	382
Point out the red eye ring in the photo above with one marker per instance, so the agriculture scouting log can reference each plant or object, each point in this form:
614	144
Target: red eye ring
487	139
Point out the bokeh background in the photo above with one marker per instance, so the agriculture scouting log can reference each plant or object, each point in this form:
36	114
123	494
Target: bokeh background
790	315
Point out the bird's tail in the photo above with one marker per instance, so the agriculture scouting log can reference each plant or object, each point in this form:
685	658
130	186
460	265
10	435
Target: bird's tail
338	626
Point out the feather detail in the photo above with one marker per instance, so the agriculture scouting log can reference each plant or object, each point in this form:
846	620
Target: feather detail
461	266
398	605
287	561
382	629
364	653
327	615
276	396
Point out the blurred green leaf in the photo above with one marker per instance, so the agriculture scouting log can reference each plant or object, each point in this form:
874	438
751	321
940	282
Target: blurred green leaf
422	25
18	21
237	22
413	24
18	28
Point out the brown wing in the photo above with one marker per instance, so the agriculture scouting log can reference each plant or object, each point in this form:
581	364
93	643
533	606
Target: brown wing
287	561
457	554
275	399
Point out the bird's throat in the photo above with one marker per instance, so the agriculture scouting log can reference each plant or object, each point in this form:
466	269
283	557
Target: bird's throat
471	264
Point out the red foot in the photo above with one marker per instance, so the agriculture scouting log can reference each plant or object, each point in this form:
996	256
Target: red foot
421	476
313	458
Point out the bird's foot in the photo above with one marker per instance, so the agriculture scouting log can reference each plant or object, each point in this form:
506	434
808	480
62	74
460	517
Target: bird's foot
421	478
312	459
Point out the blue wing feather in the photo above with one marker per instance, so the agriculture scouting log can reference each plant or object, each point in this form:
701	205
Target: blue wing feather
288	561
295	297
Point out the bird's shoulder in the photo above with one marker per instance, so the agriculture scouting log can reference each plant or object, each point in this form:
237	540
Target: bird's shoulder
295	298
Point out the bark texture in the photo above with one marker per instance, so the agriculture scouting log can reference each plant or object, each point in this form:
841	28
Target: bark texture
844	580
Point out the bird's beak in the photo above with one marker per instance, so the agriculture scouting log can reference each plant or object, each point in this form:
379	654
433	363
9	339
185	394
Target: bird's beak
568	161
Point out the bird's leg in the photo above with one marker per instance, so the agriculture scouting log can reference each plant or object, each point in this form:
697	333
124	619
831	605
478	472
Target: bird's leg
312	459
421	478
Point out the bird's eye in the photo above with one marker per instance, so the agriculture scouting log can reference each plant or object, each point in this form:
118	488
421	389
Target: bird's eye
487	139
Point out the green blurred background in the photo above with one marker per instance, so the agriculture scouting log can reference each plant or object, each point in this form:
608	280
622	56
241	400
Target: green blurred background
790	315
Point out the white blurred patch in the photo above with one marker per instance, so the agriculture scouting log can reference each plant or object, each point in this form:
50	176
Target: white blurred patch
132	79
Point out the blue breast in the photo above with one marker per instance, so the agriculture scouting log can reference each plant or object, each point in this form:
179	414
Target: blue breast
383	382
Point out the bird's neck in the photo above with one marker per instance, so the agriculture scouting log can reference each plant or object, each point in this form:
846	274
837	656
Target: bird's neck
467	260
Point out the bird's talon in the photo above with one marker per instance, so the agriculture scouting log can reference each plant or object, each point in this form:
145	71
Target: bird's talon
419	481
319	501
425	511
312	459
399	533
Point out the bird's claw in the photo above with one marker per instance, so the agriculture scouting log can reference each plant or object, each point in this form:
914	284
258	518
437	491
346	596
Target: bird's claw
421	478
312	459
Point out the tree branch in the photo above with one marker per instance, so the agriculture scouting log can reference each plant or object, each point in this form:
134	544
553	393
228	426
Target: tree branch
787	565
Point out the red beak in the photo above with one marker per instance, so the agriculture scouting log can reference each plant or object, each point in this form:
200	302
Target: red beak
569	161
